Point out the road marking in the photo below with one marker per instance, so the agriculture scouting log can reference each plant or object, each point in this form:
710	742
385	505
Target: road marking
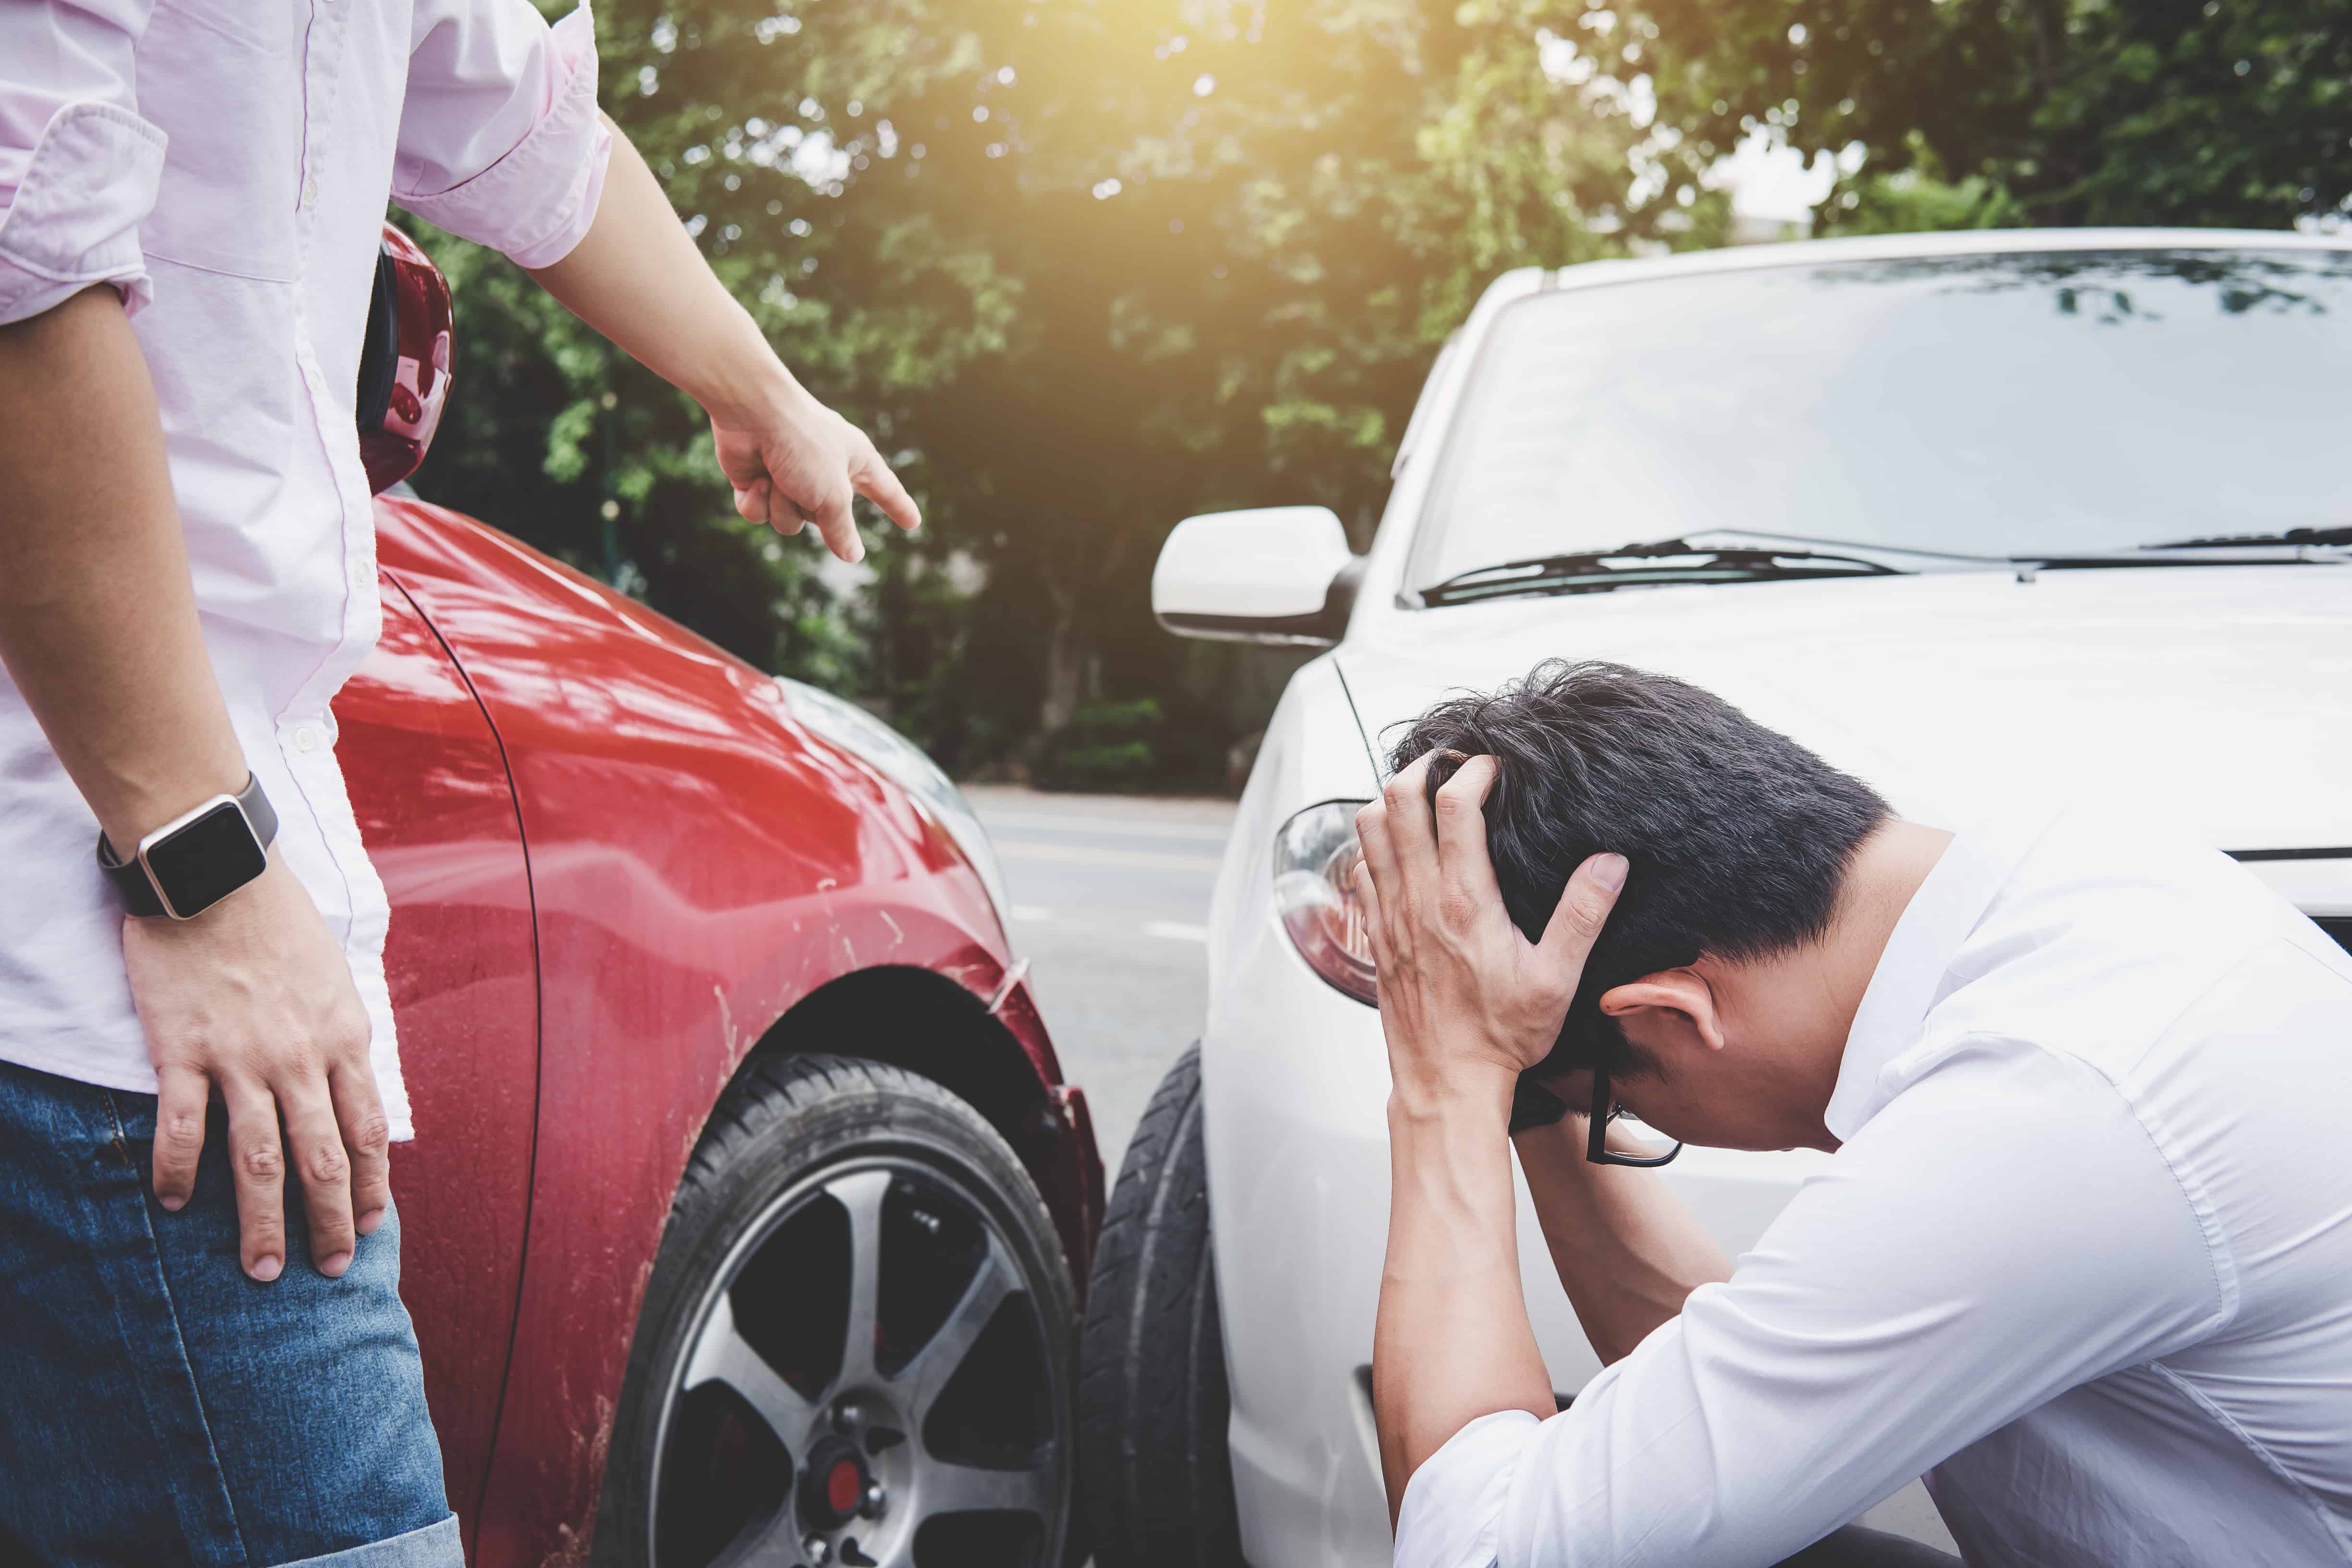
1030	913
1176	929
1081	822
1090	854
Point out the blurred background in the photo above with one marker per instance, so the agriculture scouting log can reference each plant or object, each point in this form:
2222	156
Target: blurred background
1086	266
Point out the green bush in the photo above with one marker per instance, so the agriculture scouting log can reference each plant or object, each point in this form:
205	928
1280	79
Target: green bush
1108	747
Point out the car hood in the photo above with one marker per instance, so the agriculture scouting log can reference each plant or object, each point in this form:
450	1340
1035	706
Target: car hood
2218	699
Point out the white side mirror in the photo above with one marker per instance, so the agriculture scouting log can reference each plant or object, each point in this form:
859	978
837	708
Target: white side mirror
1276	574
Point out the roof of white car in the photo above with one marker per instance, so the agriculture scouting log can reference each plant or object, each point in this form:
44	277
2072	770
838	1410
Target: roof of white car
1904	246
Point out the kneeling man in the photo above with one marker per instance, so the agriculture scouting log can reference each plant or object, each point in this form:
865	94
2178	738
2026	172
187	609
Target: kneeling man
2082	1255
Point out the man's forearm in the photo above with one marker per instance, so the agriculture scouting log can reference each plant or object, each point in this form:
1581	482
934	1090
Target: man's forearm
1627	1250
1452	1342
97	617
637	278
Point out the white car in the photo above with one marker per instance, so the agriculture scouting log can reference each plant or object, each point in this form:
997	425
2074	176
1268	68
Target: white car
1971	515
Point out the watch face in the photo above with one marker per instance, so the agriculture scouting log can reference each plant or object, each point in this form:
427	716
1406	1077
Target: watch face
206	861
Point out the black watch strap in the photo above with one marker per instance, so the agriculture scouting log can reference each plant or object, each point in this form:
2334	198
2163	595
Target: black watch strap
138	895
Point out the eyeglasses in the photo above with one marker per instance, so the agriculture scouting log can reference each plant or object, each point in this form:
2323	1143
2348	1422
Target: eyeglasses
1605	1109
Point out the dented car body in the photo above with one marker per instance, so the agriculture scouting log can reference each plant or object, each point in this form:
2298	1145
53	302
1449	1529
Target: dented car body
624	864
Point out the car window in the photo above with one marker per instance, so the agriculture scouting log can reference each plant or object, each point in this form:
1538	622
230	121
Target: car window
1993	404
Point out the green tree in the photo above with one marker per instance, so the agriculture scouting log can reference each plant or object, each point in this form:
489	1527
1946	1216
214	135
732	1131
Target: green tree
2195	113
1086	266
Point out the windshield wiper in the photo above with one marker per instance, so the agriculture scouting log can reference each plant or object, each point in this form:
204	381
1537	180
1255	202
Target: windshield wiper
1655	560
2239	540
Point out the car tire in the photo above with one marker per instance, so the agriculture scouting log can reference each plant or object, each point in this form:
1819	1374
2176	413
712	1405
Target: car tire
1154	1474
828	1192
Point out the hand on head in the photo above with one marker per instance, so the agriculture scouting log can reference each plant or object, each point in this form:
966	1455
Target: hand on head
1465	996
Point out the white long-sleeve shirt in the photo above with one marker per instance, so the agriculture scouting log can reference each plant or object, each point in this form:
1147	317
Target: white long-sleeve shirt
225	164
2084	1257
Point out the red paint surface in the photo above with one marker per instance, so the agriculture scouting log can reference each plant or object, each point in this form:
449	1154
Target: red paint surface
438	819
697	865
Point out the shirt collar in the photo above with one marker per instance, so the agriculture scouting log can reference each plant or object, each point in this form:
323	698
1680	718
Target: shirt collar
1910	975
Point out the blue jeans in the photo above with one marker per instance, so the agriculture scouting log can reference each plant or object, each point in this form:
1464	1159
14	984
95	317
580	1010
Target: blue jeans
158	1407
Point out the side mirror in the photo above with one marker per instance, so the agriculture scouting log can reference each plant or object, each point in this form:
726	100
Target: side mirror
403	362
1276	574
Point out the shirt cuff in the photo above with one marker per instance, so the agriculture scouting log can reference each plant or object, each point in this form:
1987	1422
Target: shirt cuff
1452	1516
74	220
536	203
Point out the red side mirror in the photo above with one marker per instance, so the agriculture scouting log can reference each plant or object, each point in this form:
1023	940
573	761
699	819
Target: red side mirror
404	364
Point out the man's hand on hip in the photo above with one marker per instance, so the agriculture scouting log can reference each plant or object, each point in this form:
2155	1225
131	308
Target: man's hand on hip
1465	998
99	631
253	998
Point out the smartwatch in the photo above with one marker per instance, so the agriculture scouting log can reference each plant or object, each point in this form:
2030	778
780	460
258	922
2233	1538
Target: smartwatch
196	860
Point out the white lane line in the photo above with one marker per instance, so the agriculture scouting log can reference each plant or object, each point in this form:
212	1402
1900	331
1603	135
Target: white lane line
1030	913
1091	854
1176	931
1082	822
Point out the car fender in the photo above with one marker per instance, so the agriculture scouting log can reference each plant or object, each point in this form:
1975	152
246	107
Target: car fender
700	867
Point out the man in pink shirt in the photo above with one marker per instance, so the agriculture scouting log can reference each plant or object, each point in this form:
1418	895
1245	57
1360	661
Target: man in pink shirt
206	1360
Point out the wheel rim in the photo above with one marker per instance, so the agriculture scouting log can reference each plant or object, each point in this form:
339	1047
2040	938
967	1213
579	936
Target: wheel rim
862	1385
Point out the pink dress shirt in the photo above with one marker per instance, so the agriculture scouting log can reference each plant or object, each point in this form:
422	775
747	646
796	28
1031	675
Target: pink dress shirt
225	164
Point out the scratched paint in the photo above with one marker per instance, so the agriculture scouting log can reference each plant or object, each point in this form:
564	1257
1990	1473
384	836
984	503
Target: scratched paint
689	849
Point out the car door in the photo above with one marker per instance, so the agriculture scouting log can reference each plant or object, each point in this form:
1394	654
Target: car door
429	786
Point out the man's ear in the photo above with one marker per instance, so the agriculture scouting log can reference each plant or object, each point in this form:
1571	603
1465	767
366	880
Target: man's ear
1683	993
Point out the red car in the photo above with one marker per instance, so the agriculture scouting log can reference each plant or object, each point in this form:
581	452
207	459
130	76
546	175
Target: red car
748	1212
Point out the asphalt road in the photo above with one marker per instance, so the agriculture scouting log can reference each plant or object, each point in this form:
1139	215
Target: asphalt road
1110	896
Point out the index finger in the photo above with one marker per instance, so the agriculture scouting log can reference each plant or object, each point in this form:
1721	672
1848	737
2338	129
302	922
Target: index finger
1584	905
878	484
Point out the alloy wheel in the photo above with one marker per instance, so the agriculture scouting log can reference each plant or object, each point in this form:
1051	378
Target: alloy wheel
866	1383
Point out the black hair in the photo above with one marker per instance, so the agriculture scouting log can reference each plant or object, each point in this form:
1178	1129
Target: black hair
1737	838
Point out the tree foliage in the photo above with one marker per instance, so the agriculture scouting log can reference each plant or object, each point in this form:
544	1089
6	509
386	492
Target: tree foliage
2199	112
1084	267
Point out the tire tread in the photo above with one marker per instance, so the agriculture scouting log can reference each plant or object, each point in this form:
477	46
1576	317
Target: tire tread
1156	1477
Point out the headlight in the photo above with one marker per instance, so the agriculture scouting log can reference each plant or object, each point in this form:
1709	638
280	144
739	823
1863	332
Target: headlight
1314	859
904	764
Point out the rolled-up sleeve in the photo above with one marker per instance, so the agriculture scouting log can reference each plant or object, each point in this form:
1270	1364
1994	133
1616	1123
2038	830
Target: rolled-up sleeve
499	137
1452	1516
79	167
1921	1292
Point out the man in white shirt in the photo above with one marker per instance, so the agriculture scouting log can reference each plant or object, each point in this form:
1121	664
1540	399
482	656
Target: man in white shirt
191	195
2081	1256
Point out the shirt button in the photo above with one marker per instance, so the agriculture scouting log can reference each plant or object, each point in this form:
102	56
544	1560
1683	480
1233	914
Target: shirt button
310	192
363	577
306	738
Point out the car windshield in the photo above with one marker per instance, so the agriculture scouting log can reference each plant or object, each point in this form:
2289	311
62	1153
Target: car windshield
2028	404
